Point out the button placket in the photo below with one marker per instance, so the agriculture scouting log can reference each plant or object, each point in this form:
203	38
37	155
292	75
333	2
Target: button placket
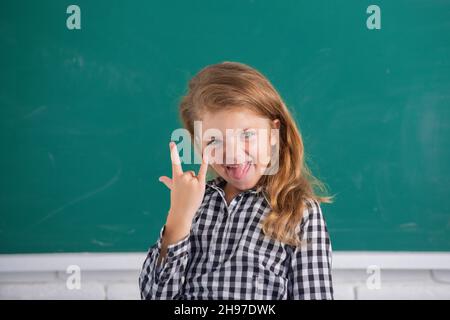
235	203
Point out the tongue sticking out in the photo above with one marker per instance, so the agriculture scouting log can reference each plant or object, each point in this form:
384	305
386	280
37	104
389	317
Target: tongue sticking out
238	172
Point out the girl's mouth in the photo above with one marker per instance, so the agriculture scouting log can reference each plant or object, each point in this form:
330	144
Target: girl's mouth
238	171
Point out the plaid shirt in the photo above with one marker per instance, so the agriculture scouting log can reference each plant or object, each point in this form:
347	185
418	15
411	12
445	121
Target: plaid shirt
226	255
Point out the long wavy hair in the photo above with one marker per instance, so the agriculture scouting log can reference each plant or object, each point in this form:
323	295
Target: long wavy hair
233	85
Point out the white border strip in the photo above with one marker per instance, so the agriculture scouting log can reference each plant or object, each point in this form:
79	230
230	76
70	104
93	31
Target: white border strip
133	261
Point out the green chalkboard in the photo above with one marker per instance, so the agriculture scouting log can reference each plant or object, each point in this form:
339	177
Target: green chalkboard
86	114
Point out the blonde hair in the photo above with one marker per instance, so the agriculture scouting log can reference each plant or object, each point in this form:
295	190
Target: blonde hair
231	85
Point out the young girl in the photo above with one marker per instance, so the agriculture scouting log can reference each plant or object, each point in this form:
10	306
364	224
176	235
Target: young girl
249	232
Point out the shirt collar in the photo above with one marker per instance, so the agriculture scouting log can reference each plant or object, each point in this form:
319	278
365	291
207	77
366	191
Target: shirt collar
218	184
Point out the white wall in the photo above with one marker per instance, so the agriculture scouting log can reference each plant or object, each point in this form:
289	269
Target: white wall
401	275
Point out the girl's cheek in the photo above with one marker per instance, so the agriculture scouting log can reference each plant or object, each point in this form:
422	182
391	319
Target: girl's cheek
218	170
263	152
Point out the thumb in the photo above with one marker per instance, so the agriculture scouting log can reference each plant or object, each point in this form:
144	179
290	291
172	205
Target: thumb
167	181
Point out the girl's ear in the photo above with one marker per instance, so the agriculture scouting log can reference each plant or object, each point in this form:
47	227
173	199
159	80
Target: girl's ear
276	124
274	135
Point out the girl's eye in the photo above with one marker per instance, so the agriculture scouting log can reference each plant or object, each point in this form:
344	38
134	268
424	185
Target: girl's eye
213	141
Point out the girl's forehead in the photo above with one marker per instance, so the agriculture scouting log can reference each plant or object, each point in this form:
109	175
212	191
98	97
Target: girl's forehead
233	119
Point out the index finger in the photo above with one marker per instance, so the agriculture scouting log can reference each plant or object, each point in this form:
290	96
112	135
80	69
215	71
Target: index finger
204	166
175	158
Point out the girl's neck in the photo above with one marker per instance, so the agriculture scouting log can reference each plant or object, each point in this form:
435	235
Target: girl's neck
230	192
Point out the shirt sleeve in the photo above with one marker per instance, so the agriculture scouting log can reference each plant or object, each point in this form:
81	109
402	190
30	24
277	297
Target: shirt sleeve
310	268
164	282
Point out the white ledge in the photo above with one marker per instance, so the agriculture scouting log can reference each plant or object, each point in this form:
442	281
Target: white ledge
132	261
60	261
392	260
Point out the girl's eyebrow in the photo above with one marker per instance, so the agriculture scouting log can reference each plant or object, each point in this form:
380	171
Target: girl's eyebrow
214	137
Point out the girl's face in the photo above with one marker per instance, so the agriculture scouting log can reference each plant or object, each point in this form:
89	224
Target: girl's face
239	144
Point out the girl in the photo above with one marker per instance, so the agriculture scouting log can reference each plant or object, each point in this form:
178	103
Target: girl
249	232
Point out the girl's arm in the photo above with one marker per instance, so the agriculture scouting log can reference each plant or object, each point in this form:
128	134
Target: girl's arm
162	275
164	281
310	268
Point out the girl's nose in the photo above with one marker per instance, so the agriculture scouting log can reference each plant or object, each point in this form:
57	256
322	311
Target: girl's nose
235	154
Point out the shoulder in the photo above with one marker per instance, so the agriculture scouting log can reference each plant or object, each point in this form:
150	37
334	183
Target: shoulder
313	218
311	210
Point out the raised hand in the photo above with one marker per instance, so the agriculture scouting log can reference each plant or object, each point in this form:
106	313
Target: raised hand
186	191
